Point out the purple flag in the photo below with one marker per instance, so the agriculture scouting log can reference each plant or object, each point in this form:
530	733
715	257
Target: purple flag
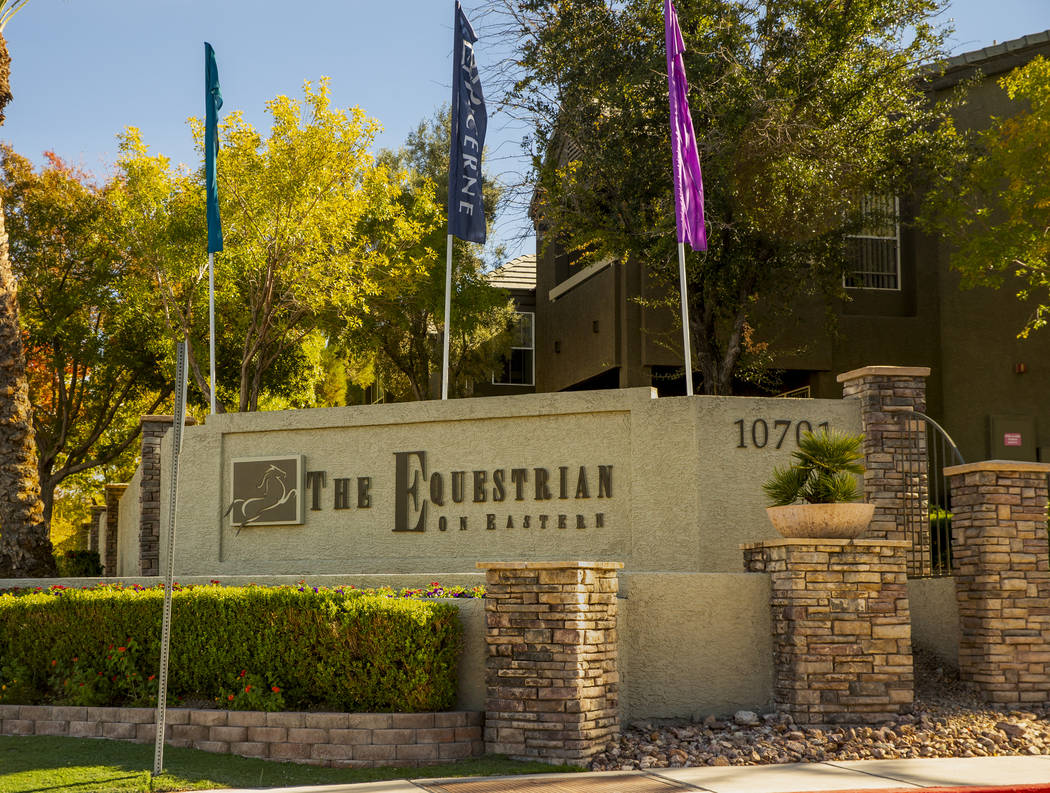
688	184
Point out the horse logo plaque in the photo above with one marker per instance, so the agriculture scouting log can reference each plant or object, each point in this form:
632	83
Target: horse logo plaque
267	491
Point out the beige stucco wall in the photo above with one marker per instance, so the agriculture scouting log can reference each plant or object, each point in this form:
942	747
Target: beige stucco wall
128	528
935	616
692	644
685	494
683	653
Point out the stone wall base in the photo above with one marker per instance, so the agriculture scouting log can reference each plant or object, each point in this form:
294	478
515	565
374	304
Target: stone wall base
342	740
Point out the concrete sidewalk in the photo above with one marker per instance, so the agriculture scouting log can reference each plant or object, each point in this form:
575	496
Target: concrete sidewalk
793	778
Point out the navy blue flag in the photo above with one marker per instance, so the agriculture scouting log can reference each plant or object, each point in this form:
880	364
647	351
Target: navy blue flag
212	103
466	209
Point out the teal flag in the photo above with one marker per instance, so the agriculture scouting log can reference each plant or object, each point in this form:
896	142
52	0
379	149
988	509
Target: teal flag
212	103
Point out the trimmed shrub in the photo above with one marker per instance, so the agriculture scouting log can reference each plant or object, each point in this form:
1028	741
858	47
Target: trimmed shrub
250	647
79	564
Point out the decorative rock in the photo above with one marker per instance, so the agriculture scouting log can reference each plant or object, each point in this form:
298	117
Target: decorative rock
746	718
1011	730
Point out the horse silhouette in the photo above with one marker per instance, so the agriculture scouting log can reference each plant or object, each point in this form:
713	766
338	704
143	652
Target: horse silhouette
275	493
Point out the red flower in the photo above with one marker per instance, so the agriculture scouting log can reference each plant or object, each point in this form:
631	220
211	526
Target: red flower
151	677
230	697
121	649
275	689
243	673
247	688
53	662
75	659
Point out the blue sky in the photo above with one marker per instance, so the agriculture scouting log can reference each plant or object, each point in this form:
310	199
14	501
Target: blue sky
82	70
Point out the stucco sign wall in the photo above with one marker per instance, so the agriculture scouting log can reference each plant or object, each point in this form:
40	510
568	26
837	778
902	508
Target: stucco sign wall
660	484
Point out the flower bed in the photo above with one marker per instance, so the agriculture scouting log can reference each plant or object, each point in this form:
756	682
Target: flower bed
243	648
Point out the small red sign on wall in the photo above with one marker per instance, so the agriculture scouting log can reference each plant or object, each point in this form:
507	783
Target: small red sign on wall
1011	439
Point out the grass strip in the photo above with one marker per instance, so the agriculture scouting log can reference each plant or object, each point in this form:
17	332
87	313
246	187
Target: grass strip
38	764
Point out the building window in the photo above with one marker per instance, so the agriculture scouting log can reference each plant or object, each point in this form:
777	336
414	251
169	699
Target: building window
874	252
519	366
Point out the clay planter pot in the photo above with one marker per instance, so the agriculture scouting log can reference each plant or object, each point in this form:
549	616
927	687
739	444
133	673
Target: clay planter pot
842	521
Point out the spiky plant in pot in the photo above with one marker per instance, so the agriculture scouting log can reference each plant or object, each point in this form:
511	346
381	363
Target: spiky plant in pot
815	495
823	472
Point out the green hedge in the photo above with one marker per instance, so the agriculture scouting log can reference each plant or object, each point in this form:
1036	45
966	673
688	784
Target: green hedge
79	564
246	648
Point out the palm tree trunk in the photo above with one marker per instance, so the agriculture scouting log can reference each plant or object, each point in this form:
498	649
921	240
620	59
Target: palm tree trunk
25	550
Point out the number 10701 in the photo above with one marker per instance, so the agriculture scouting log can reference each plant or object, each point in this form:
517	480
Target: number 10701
762	434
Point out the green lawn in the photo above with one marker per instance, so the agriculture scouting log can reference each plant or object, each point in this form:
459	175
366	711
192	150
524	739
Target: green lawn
84	765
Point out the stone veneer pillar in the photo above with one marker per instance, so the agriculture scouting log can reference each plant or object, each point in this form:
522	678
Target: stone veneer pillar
885	392
1001	563
109	553
841	628
154	428
97	513
551	673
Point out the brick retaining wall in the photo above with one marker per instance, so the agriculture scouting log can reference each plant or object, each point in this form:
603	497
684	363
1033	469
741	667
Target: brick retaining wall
360	740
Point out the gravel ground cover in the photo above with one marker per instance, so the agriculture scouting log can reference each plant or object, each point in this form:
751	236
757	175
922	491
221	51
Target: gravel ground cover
948	720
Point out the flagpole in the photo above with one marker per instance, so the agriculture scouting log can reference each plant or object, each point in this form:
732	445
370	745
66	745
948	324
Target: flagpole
211	326
212	105
448	317
685	321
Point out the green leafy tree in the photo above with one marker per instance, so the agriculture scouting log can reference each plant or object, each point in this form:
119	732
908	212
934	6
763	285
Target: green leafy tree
310	223
995	209
24	546
398	339
93	343
800	107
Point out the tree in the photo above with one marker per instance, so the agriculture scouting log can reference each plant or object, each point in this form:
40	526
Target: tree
93	345
24	547
994	210
398	334
309	220
800	107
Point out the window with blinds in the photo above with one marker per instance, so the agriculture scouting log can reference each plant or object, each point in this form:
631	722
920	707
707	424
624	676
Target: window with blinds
874	252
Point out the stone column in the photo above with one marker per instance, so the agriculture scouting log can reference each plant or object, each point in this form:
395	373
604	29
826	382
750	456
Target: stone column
83	536
154	428
551	674
894	473
109	553
97	514
841	628
1001	563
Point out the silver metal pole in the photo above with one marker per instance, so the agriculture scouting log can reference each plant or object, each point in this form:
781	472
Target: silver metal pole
685	321
211	325
448	319
169	578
